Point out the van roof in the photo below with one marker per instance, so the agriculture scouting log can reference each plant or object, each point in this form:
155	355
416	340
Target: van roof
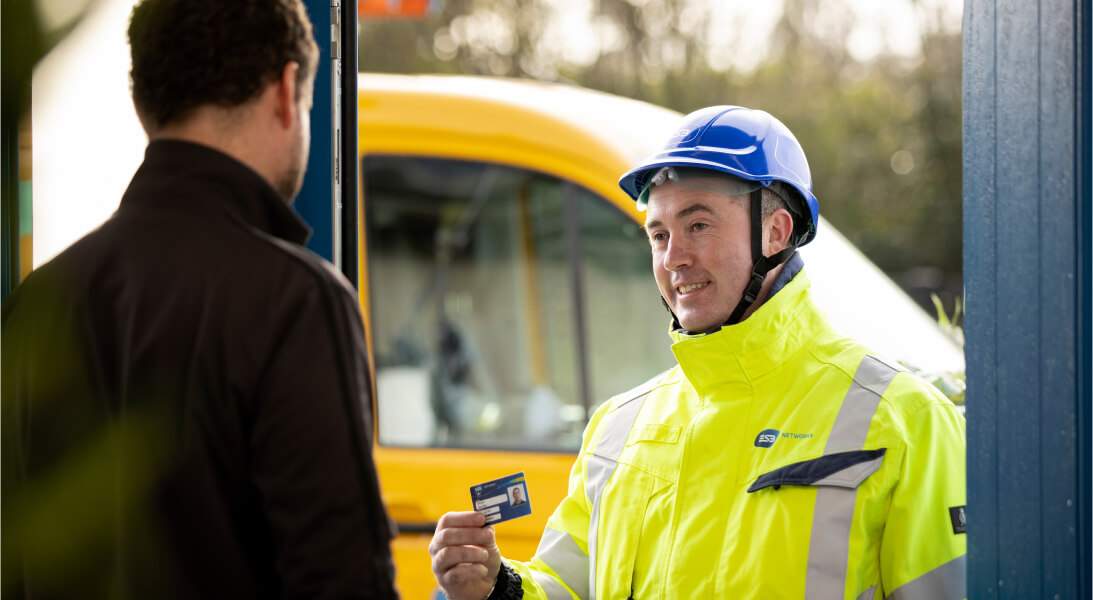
605	132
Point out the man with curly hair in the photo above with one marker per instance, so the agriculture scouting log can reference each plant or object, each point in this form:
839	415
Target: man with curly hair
186	407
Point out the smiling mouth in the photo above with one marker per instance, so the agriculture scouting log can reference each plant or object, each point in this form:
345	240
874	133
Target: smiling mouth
686	289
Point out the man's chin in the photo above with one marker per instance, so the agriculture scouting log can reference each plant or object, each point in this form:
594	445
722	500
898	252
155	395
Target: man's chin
290	185
698	325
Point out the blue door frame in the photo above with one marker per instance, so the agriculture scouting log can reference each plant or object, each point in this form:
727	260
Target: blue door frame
328	198
1027	233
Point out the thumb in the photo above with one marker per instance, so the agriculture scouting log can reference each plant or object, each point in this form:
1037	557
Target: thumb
493	562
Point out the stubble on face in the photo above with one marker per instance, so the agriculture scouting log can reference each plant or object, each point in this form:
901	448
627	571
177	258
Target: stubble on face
292	179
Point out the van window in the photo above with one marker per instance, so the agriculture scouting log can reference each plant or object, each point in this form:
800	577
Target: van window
626	323
499	300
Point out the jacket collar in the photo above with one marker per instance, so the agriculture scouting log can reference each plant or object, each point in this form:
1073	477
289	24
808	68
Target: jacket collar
196	179
756	345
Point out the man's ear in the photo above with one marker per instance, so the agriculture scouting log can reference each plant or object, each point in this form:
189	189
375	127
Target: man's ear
287	108
777	230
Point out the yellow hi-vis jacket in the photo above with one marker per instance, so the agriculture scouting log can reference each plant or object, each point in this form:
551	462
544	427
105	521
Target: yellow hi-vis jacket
776	460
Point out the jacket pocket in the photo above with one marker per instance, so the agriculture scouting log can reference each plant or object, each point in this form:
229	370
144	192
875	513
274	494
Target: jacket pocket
844	469
654	432
654	448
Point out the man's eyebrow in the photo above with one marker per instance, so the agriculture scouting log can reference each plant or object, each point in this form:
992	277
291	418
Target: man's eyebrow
690	210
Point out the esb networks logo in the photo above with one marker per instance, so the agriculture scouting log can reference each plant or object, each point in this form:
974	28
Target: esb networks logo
766	438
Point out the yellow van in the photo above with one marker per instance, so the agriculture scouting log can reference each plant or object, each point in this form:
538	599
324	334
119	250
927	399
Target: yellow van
507	290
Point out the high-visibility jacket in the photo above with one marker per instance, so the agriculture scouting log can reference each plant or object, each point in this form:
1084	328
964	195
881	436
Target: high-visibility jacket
778	459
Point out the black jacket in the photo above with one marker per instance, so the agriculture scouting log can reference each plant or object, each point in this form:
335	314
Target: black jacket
186	404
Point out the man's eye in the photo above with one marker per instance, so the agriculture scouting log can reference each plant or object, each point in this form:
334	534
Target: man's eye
699	226
658	237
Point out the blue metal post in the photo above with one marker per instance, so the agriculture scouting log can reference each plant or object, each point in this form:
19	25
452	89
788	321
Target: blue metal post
1027	280
315	203
328	198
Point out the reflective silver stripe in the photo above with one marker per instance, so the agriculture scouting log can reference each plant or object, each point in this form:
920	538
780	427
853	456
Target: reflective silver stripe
616	427
868	594
599	470
553	589
860	404
942	583
562	554
829	545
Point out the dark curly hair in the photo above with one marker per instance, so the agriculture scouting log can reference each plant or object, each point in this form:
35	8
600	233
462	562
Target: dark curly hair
188	53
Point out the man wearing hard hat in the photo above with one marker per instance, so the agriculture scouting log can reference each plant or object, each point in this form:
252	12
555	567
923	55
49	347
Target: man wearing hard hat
778	459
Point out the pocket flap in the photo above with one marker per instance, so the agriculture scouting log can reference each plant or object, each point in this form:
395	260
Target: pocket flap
844	469
654	432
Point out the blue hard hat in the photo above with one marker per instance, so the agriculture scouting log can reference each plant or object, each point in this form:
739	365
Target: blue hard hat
749	144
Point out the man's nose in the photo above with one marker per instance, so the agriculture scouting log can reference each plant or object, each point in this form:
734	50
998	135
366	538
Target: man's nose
677	254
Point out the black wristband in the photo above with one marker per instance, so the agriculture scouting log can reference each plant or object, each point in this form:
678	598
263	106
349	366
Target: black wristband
507	586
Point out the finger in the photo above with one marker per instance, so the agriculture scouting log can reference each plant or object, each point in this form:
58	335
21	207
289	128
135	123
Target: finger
468	518
461	536
461	574
448	557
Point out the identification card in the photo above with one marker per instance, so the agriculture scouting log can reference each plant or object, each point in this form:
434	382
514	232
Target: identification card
502	499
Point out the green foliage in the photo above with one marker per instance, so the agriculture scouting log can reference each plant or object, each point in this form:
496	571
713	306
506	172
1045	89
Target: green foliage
950	384
883	137
952	325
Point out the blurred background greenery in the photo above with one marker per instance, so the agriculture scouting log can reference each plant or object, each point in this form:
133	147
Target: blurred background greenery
872	91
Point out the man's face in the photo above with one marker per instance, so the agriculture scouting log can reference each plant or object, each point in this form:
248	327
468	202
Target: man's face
701	253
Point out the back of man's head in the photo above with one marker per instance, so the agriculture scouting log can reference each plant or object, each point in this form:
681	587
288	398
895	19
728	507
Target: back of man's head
190	53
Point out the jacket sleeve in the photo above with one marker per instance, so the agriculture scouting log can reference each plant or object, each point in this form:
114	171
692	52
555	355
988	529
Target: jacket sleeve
560	568
924	547
311	452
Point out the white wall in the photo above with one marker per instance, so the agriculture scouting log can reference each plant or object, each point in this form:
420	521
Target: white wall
87	141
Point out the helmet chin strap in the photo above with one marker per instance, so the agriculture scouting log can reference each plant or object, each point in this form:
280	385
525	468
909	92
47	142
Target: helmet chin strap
762	264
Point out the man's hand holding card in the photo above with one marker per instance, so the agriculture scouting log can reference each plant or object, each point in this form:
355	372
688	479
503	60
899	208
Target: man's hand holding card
464	551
